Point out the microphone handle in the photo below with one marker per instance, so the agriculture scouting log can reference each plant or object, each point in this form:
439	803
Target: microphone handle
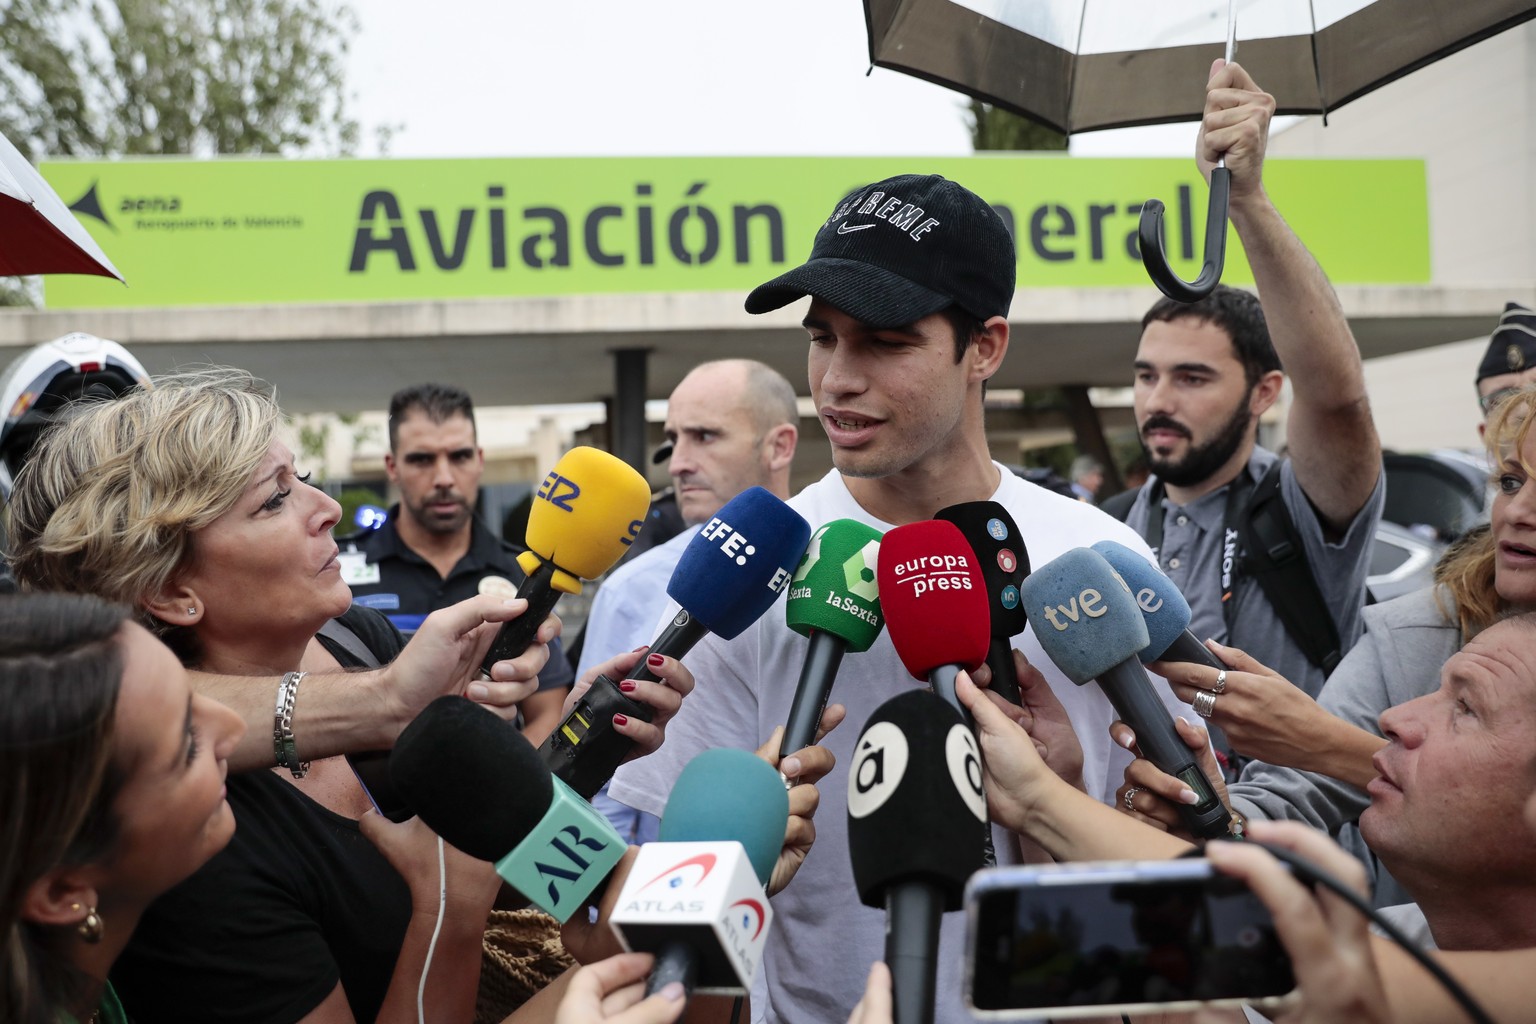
675	641
912	912
585	750
816	677
1128	689
1005	679
676	961
942	679
514	637
1187	647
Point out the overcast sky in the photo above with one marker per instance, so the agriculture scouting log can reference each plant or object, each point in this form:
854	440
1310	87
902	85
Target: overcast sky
658	78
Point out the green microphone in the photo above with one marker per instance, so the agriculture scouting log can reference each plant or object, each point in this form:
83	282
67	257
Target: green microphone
835	602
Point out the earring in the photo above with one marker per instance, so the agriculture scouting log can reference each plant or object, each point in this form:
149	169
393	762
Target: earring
192	610
91	928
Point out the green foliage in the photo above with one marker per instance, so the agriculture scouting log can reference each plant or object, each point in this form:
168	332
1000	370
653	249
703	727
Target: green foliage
993	128
185	77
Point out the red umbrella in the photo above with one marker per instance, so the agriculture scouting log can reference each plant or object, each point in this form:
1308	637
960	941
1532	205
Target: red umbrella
38	234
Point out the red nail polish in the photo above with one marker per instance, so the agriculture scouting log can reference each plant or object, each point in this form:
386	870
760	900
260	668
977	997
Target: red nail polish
655	660
620	719
628	686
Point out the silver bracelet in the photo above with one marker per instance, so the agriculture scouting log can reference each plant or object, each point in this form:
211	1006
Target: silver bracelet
283	746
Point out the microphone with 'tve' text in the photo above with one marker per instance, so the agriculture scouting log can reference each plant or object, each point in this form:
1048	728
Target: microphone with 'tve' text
732	571
585	515
1157	596
1090	626
935	604
914	797
1004	562
834	601
695	897
475	781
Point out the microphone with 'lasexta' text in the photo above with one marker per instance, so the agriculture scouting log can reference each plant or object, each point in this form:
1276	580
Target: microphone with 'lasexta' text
475	781
915	800
1004	562
731	572
935	604
695	897
1087	621
1157	596
834	600
585	515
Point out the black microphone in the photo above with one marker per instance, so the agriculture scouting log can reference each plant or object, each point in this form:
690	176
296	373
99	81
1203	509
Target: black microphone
1004	561
1091	628
914	801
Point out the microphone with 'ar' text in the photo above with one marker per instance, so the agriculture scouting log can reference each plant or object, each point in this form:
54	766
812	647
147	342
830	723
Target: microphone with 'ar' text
1088	623
1004	562
834	601
731	572
695	897
475	781
585	515
915	800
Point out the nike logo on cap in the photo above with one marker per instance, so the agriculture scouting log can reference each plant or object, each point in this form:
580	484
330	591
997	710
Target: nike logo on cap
848	229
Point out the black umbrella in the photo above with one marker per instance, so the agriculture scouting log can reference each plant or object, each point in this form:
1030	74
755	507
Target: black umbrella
1081	65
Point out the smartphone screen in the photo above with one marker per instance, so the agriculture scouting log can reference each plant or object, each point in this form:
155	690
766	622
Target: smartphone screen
1129	937
372	771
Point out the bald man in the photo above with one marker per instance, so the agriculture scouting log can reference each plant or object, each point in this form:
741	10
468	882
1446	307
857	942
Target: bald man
732	424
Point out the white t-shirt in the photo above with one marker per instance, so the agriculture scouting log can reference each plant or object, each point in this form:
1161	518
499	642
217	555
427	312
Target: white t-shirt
823	939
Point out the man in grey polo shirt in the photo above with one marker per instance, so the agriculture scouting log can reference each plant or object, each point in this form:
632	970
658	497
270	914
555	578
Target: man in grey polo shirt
1206	372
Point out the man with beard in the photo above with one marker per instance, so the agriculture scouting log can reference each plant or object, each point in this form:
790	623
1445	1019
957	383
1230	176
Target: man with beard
1207	371
433	551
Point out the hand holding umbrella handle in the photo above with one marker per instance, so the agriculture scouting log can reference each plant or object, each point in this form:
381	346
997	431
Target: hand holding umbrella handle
1156	260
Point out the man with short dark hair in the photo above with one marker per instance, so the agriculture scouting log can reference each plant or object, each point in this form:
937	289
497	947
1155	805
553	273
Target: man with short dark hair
433	550
1207	371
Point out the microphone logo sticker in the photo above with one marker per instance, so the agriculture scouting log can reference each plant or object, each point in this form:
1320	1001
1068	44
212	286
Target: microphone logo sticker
997	530
934	572
559	491
879	764
1009	597
734	546
688	873
748	916
859	572
964	763
1007	560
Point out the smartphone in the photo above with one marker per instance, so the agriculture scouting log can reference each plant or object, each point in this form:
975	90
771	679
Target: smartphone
372	771
1118	937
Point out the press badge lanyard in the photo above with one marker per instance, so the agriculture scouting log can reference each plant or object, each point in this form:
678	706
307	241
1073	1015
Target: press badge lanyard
1237	506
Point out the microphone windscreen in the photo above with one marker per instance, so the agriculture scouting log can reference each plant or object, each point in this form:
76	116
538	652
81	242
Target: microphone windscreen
587	513
738	563
471	777
999	549
1161	605
916	808
933	596
834	589
725	794
1084	616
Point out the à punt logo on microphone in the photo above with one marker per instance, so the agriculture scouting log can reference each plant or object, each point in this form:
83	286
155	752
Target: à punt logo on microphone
927	573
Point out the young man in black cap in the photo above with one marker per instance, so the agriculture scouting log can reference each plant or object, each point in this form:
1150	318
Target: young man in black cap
910	281
1510	362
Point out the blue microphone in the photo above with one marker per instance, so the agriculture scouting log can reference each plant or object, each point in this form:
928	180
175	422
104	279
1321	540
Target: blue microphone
1087	620
1166	611
732	571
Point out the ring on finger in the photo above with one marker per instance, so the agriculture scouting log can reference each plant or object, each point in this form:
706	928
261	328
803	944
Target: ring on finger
1130	795
1204	703
1221	682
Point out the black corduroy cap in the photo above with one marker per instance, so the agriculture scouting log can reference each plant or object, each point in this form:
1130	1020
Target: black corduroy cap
897	250
1512	348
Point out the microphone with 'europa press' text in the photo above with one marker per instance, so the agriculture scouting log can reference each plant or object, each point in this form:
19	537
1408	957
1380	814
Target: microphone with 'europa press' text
695	897
585	515
1004	562
935	604
475	781
915	800
834	601
1086	618
731	572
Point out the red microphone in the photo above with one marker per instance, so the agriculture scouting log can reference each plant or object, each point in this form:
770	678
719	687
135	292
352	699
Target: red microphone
935	604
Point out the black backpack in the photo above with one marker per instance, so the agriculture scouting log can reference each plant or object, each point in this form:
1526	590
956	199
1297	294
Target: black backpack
1270	550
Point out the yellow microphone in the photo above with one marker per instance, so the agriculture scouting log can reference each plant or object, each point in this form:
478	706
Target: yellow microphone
586	514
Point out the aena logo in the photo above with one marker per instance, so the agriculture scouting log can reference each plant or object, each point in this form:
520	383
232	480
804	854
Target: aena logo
560	491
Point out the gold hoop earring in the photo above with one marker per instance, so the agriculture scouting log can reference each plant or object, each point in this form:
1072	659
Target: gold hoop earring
91	928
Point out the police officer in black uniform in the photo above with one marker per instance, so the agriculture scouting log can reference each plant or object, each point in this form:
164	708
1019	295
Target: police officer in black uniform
433	550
